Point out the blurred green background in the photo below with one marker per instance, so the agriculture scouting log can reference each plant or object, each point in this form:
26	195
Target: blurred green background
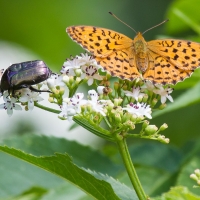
36	30
39	27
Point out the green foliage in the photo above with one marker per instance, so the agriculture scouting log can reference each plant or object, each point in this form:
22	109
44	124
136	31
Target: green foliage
163	165
76	168
178	193
92	183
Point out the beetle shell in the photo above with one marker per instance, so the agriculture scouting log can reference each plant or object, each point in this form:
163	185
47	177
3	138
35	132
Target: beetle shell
25	74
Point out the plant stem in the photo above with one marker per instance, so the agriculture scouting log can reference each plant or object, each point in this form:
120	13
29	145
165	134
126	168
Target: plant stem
123	149
46	108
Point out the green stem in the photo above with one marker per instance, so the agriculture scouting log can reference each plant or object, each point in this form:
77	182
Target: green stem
46	108
123	149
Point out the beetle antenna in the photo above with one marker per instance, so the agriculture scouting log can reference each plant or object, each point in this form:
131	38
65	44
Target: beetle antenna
155	26
122	21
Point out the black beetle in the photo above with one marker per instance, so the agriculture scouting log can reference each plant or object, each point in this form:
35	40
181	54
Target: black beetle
24	75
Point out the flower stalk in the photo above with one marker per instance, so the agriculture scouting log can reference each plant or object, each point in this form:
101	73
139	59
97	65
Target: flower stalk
123	149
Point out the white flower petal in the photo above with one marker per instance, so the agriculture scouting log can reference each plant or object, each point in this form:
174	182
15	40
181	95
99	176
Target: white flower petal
170	98
90	81
140	109
30	104
100	89
9	112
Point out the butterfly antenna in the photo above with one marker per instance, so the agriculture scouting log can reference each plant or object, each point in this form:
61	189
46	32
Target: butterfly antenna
155	26
122	21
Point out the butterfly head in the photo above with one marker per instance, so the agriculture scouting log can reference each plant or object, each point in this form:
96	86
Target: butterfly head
140	44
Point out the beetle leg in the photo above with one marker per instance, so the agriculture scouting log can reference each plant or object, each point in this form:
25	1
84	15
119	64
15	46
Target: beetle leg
36	90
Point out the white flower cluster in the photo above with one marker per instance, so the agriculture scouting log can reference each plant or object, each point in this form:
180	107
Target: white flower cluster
72	106
83	66
26	96
157	89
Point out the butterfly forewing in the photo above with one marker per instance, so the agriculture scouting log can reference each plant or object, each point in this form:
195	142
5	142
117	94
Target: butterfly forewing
98	41
110	49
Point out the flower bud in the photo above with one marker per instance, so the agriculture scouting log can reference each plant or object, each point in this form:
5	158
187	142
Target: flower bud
139	119
154	102
55	92
125	87
96	119
65	79
162	139
119	110
62	91
126	117
71	80
117	102
117	118
194	177
133	117
51	100
162	106
116	85
108	75
110	106
129	124
163	127
151	129
78	80
166	140
197	172
78	72
145	124
83	108
143	98
89	108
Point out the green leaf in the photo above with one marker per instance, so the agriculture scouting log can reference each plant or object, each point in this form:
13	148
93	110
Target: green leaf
188	98
65	191
178	193
34	193
17	177
61	165
83	156
183	15
184	175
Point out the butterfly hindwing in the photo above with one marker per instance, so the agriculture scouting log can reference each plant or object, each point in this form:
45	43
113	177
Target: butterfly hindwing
162	71
120	63
183	54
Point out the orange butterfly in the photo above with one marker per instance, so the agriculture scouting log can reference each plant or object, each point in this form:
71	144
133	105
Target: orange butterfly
166	61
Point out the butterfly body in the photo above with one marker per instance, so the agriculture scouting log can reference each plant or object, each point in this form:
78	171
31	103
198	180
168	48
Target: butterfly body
140	51
166	61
